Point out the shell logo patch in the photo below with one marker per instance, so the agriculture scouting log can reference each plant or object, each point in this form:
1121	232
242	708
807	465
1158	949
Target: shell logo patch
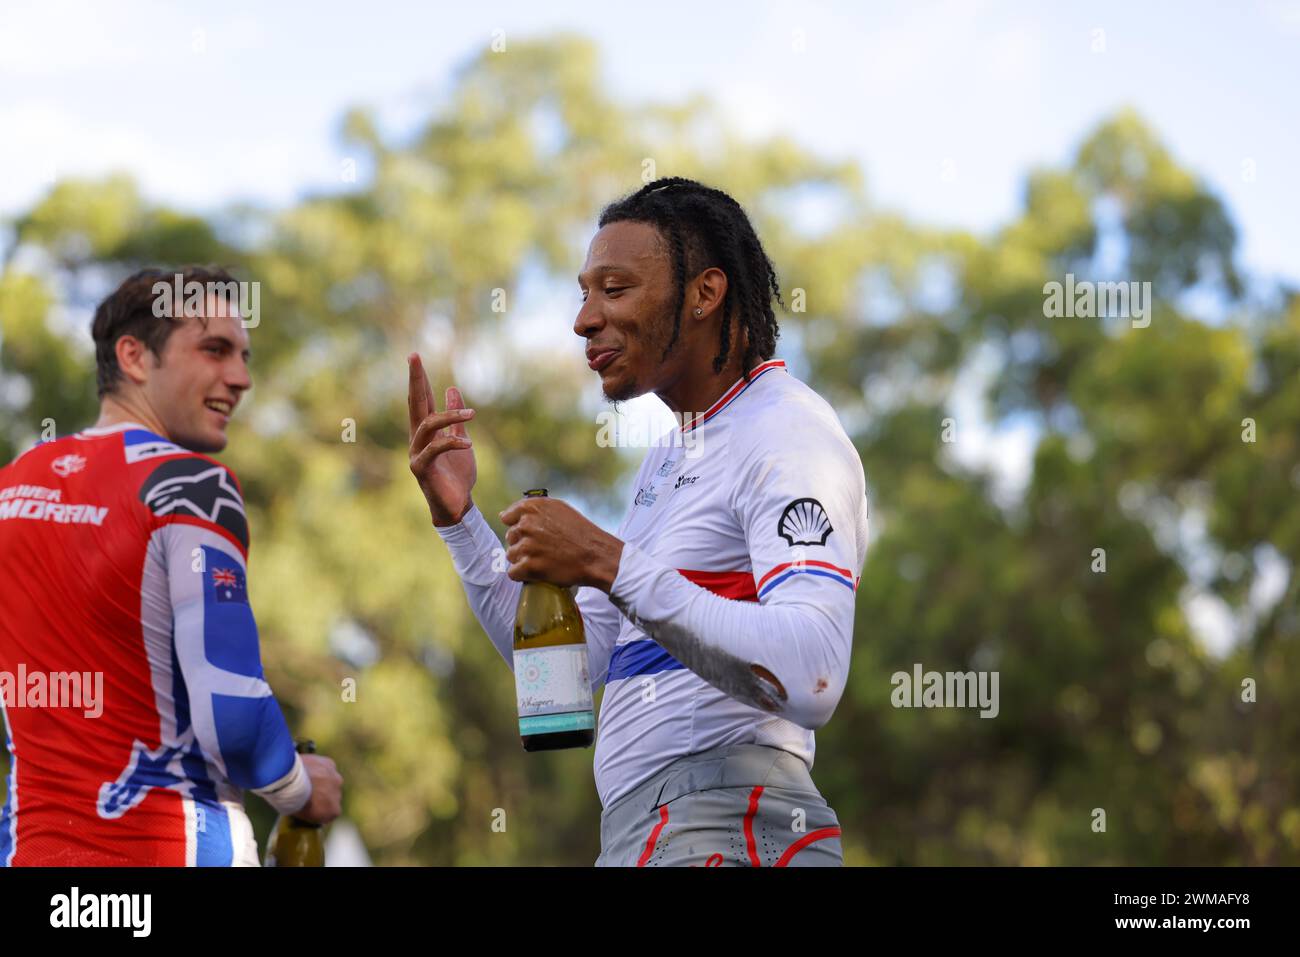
804	522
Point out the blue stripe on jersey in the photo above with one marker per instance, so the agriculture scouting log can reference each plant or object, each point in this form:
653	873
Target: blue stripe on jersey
8	814
141	437
180	694
641	657
253	738
229	630
213	845
805	571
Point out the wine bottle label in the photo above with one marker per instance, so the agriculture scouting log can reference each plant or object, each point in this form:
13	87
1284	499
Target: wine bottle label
553	689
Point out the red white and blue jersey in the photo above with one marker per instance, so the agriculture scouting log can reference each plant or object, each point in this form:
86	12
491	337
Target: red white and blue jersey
744	541
123	565
761	500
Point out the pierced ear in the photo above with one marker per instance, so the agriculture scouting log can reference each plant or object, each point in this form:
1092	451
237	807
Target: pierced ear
711	287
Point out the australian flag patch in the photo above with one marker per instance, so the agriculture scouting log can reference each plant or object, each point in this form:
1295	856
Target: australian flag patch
228	584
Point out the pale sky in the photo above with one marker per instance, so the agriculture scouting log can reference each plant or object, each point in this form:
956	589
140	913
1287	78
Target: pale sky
979	91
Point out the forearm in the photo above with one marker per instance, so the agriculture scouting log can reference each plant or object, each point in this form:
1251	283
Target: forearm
788	659
479	559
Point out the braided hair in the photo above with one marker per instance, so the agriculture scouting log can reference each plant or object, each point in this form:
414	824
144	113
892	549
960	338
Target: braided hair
705	227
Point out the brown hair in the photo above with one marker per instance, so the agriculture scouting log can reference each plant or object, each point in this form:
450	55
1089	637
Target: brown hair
129	311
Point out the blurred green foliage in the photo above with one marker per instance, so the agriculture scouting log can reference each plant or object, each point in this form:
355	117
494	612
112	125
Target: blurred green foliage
1108	700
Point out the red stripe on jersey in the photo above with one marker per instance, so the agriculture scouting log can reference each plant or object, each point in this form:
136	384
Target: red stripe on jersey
806	563
206	525
732	393
735	585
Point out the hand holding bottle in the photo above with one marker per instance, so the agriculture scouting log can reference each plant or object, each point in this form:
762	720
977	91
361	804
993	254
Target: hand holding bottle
326	790
296	839
552	682
551	541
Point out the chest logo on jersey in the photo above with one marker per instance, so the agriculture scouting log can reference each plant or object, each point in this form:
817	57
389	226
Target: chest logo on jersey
66	465
684	480
804	522
645	496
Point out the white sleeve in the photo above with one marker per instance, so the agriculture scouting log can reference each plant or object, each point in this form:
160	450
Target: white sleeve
601	621
801	499
479	559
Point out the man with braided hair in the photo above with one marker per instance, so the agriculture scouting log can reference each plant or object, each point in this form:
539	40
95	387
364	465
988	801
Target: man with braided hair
719	618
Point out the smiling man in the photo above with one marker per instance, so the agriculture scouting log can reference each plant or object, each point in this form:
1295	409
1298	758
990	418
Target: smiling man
123	553
719	617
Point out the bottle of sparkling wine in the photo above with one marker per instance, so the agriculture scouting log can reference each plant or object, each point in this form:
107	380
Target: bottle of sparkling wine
296	843
551	680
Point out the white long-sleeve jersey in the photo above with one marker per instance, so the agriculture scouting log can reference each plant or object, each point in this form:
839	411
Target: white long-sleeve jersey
731	618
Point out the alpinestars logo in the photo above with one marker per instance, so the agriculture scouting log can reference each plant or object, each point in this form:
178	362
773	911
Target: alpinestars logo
145	770
804	522
194	486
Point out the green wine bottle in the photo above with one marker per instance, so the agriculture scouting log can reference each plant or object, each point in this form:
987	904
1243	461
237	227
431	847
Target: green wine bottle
551	679
295	842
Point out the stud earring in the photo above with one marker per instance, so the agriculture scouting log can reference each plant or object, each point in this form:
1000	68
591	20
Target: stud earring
699	311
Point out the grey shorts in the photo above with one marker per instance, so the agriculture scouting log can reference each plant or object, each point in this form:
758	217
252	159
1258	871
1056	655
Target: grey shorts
743	805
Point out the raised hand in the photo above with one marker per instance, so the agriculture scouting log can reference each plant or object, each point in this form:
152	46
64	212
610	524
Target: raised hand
442	457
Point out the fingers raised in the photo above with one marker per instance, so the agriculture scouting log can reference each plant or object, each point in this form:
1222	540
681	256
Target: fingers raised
455	401
421	460
419	397
434	424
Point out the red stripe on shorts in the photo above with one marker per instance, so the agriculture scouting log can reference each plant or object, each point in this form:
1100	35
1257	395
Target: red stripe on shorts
754	795
804	841
654	837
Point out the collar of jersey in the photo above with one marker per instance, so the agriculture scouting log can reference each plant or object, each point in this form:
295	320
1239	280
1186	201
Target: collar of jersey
111	429
732	394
